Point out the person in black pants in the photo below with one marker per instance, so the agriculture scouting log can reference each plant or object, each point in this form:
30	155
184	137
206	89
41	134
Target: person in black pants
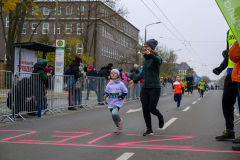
151	87
229	94
189	83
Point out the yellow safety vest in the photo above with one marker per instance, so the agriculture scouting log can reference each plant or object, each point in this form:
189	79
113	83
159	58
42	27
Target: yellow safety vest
231	39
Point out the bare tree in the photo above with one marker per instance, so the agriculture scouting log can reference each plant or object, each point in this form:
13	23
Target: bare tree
169	59
206	79
17	16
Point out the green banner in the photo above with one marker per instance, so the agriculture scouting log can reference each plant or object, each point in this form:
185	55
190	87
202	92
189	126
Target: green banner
60	48
231	12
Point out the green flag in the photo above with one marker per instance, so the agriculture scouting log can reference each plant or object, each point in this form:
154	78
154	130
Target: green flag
231	12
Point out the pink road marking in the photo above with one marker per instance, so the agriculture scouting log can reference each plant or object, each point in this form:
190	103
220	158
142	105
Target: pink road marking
30	132
161	136
102	146
99	138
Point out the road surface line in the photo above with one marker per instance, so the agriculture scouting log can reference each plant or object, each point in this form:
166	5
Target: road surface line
199	99
186	109
125	156
134	110
168	123
194	102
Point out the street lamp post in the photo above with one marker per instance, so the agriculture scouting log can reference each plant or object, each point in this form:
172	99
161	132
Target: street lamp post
139	53
146	29
56	22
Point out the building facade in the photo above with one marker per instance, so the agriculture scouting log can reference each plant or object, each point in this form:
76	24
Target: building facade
101	32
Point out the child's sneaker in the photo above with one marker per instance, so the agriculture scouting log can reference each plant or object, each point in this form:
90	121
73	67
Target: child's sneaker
120	124
178	107
116	130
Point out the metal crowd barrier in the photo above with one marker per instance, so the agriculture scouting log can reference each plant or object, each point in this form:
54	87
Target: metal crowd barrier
22	93
236	106
5	87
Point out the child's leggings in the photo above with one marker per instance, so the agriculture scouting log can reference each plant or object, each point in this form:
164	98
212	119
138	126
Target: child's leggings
115	116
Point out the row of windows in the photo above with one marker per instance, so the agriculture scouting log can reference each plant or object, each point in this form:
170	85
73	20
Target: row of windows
184	72
117	23
118	38
79	48
45	30
111	52
69	11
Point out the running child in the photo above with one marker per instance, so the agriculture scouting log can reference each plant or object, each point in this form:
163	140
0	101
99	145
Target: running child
116	91
202	85
177	88
198	88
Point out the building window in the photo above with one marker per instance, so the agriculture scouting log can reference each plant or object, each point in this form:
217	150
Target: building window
45	11
24	28
34	28
80	10
45	28
7	21
180	72
79	48
111	53
108	52
102	50
34	10
68	48
103	33
79	28
105	51
59	11
58	28
69	10
68	28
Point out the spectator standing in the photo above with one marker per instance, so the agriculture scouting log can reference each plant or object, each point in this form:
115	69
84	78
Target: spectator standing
91	80
104	72
72	81
77	95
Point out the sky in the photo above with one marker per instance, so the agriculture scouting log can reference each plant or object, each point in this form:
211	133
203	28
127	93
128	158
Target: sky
200	23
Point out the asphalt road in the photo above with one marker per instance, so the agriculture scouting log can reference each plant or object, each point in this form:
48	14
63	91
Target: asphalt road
88	134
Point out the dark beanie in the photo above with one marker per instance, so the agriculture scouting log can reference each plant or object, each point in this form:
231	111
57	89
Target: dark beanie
108	67
152	43
78	59
110	64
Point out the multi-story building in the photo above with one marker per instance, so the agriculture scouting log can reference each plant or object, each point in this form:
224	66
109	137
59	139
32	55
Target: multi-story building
109	35
182	69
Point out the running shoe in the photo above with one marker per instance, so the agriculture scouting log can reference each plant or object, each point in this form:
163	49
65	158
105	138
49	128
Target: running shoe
236	147
116	130
120	124
148	133
178	107
226	135
237	140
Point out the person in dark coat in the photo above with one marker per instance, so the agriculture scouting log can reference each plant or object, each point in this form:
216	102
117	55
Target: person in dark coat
190	83
38	81
76	73
151	87
104	72
111	65
91	80
21	98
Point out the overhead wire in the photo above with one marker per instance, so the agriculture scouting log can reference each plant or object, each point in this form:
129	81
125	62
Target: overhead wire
177	30
168	29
